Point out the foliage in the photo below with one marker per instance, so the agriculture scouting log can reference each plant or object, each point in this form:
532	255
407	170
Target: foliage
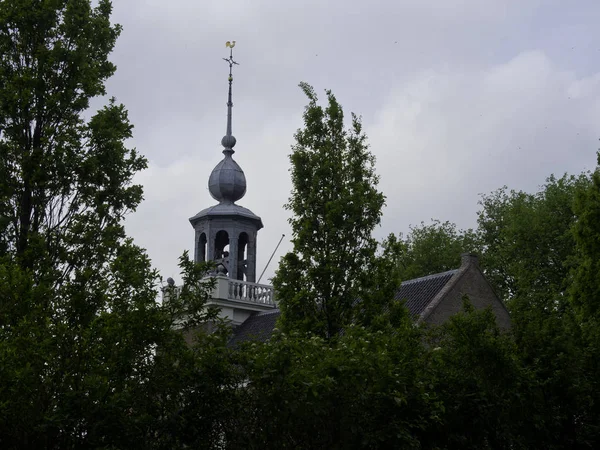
434	248
362	389
537	250
584	293
88	357
66	181
335	206
476	374
527	241
530	255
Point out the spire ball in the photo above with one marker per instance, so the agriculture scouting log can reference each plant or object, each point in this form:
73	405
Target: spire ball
228	142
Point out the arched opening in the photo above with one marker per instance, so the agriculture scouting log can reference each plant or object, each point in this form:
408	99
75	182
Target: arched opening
242	257
221	243
201	252
222	247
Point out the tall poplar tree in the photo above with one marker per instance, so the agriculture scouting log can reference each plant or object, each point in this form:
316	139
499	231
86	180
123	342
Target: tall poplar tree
88	357
335	206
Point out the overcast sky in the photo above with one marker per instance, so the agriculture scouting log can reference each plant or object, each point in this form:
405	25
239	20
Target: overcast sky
458	98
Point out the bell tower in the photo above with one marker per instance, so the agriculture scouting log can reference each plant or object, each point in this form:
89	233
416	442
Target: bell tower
226	233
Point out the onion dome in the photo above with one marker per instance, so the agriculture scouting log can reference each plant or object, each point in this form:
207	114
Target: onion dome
227	182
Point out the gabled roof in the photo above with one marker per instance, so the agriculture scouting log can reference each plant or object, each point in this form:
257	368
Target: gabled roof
418	293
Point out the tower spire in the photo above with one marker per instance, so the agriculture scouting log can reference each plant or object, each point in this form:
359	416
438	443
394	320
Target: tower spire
227	182
228	224
228	140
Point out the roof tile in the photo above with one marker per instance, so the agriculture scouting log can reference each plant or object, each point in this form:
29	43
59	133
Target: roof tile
419	292
258	327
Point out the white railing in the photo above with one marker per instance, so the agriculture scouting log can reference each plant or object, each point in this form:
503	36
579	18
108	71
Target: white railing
245	291
251	292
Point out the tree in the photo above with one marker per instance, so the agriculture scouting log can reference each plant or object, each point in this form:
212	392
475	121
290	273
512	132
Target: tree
434	248
88	357
530	256
585	291
537	250
527	241
584	294
335	205
60	171
361	390
475	372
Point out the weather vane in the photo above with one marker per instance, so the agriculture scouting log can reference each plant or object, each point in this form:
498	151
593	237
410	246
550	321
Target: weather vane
230	45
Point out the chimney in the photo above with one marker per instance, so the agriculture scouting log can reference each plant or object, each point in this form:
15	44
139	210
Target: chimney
468	259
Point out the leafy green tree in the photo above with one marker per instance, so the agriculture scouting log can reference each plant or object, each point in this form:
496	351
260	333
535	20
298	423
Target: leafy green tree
476	375
335	205
584	294
527	241
88	357
533	253
65	179
433	248
537	251
360	390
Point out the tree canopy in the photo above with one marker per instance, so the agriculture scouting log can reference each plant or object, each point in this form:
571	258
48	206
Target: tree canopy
88	357
433	248
335	206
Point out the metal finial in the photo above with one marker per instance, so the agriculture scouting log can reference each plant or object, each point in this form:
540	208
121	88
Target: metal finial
229	140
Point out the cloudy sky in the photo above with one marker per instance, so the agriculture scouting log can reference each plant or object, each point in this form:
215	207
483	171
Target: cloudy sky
458	98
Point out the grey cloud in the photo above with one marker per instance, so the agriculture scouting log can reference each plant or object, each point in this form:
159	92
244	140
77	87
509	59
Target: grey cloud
459	134
457	98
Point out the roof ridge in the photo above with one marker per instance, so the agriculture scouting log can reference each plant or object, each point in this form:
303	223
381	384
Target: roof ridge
266	313
429	277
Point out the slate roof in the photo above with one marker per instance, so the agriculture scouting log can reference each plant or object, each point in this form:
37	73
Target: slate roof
255	328
227	210
417	293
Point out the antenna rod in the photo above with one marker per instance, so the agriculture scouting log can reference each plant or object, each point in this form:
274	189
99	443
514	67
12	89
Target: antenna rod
269	261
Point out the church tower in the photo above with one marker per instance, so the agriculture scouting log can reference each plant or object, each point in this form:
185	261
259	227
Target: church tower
226	233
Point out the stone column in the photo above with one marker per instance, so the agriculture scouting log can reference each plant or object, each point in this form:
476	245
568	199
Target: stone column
233	254
210	246
251	271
